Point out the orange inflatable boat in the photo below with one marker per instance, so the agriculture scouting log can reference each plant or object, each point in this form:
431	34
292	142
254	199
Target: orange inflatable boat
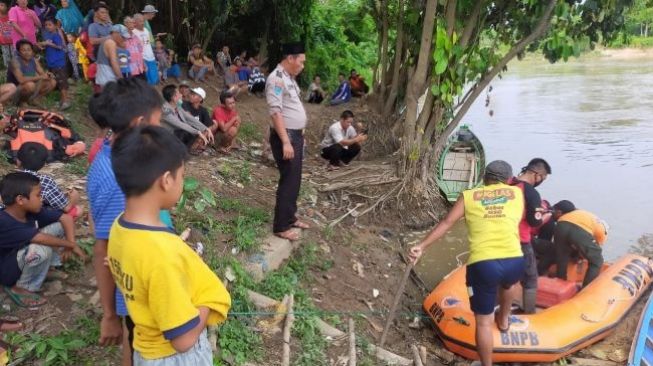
551	333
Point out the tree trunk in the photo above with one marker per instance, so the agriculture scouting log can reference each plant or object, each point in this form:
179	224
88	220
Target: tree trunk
384	49
399	48
410	144
646	30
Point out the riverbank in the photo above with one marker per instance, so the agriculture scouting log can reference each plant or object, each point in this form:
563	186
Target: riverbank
344	267
629	53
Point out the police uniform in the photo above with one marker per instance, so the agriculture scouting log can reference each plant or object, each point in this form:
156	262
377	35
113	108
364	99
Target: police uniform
283	96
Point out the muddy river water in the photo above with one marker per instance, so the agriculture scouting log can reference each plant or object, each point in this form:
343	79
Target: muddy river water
592	119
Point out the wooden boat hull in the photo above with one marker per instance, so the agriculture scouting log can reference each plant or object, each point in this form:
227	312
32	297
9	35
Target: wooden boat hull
461	164
641	351
552	333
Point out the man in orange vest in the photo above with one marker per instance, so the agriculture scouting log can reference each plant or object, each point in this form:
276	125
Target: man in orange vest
496	263
531	176
582	231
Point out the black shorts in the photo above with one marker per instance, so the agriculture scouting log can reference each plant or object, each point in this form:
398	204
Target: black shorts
485	277
129	324
61	76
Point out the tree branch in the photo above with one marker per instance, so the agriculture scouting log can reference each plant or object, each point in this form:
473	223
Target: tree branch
539	30
451	17
471	24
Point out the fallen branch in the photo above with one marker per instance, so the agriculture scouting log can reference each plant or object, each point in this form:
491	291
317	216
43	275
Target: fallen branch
345	173
343	185
336	221
423	356
389	357
352	343
591	362
383	198
290	318
417	359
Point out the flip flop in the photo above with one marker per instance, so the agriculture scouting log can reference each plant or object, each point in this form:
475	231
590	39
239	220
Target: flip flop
288	235
301	225
10	324
19	299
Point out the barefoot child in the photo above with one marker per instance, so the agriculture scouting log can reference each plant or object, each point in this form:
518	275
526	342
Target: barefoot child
29	236
171	294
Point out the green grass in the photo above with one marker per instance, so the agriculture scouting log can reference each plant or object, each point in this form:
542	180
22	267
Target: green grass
63	348
77	166
250	131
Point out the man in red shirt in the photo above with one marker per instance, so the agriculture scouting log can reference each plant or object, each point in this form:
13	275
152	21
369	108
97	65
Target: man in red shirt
227	120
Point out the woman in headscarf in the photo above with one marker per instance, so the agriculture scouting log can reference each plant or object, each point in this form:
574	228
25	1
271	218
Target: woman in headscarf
70	16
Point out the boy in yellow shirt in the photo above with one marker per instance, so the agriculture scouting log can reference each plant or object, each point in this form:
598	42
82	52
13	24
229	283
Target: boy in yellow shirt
171	294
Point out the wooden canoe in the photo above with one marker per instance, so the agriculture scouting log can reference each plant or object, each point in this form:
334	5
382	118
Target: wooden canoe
552	333
641	351
461	164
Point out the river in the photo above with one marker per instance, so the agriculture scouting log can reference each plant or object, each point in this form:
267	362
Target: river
592	120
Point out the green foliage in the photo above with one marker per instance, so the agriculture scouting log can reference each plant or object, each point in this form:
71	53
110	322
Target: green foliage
341	37
77	166
61	349
238	343
198	198
250	131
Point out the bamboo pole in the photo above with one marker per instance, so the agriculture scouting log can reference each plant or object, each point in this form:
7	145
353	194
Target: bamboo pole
391	314
290	318
352	343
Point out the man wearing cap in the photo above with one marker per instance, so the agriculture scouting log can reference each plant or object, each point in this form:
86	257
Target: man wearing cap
492	213
287	137
151	68
195	108
578	230
531	176
149	12
108	64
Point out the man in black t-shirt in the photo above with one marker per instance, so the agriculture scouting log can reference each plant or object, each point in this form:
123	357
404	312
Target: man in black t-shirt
194	107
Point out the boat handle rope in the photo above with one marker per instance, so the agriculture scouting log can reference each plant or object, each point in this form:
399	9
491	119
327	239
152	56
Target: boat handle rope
458	260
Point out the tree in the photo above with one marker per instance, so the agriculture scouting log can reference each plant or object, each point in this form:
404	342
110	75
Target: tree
462	46
641	15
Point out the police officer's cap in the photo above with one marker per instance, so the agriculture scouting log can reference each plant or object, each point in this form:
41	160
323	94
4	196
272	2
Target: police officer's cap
292	48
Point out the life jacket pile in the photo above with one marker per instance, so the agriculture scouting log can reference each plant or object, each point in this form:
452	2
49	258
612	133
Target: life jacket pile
49	129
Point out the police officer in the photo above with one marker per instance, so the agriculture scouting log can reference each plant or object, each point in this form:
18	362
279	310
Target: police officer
287	137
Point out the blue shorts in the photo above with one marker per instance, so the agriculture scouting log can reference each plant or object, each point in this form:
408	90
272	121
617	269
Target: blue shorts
484	278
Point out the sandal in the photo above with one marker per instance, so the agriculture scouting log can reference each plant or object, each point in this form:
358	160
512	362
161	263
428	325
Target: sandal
502	330
30	301
288	235
301	225
10	324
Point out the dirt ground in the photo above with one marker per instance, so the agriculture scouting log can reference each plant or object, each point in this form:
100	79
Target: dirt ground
365	251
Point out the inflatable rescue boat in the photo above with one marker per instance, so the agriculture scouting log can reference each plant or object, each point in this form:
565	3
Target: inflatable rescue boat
565	321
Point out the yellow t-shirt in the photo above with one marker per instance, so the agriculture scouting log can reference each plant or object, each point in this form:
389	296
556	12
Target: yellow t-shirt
164	282
588	222
493	214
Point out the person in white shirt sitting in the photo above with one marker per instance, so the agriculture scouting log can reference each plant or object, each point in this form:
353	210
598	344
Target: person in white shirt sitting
342	142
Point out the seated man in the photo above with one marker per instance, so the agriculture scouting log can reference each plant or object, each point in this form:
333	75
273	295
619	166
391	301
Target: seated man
199	64
341	143
343	94
194	107
228	121
357	83
578	230
232	82
188	129
27	74
224	59
256	82
184	89
315	92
